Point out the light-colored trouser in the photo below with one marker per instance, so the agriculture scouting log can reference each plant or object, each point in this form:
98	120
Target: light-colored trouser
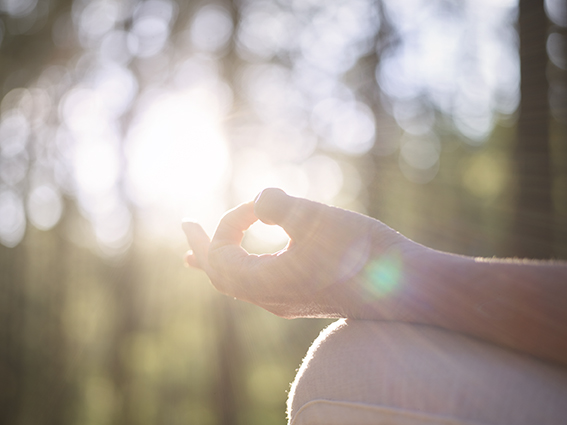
363	372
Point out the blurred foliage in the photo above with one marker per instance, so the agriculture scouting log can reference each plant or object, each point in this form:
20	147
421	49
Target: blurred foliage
118	118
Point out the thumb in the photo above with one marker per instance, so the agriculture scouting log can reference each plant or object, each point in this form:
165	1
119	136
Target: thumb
296	216
199	242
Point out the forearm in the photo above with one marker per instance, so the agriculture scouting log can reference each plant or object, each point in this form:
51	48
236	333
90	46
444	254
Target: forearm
517	304
344	264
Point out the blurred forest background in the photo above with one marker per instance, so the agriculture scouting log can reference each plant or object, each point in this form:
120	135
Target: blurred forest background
445	119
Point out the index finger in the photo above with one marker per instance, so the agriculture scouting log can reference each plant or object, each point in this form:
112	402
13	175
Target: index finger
232	226
225	252
298	217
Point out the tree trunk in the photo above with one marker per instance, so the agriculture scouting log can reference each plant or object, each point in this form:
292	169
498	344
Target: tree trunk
533	222
227	398
12	308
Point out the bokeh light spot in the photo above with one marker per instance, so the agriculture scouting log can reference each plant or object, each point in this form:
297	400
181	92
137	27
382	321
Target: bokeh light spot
151	27
95	20
148	36
211	28
420	152
17	8
14	133
44	207
263	31
12	218
556	49
346	126
13	169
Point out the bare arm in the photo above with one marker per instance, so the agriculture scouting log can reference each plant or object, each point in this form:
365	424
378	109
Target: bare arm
518	304
343	264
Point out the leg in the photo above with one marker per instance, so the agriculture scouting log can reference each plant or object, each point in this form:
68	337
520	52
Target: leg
412	374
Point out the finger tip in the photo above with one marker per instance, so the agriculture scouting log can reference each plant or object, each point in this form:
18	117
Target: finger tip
190	227
269	192
186	221
268	203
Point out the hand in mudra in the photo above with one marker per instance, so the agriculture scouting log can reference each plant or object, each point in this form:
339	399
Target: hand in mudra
342	264
321	272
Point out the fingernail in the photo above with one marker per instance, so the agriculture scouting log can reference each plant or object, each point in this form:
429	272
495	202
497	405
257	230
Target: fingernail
269	203
258	196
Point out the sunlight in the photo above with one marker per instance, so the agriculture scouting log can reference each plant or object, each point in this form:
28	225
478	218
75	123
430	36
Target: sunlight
468	64
177	156
262	238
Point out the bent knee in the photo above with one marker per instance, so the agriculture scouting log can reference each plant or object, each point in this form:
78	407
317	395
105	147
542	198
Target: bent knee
425	369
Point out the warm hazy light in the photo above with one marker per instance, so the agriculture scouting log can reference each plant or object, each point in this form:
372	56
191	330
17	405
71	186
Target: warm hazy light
121	118
143	119
177	157
262	237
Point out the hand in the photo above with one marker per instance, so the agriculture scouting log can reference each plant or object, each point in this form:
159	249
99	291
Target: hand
343	264
323	272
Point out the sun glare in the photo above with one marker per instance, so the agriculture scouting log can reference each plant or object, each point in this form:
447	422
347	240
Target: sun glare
178	157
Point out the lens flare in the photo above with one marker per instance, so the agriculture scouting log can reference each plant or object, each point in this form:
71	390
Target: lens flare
383	275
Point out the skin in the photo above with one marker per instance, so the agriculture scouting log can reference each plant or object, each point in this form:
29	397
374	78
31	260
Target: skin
343	264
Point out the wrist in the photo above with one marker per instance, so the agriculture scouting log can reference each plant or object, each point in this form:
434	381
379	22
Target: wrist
427	283
419	284
395	283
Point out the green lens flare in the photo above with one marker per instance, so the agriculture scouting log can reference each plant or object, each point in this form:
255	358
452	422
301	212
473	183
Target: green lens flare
383	275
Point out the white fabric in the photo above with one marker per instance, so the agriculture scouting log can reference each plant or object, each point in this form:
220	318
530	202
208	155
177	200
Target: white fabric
362	372
340	413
